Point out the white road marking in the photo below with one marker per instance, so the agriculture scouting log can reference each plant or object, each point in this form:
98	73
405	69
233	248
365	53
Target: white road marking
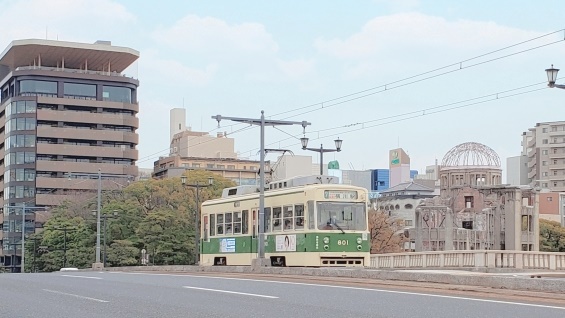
229	292
77	276
76	296
354	288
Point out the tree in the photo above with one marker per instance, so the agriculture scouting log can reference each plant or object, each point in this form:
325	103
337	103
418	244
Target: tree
552	236
122	253
387	233
156	215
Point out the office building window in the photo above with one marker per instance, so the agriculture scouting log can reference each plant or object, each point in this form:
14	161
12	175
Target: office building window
544	130
544	152
21	107
117	94
544	141
80	91
42	88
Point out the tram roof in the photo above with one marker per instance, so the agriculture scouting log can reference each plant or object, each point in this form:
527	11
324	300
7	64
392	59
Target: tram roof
282	191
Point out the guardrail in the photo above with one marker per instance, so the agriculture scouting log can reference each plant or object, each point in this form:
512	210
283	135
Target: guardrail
471	259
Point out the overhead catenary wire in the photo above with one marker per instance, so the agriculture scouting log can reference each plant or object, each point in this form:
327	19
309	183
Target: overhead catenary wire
417	113
383	88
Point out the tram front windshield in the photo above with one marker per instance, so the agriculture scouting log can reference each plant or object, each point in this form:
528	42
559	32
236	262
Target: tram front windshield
342	216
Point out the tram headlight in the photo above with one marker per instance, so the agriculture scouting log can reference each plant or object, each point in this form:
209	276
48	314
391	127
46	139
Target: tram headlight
326	247
359	240
359	247
326	240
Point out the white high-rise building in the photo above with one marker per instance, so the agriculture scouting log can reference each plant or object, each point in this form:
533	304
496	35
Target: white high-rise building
544	147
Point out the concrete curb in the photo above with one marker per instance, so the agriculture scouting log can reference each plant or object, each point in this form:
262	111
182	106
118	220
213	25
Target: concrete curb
501	282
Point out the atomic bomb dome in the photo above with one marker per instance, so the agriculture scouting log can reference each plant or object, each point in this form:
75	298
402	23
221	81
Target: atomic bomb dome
470	164
471	154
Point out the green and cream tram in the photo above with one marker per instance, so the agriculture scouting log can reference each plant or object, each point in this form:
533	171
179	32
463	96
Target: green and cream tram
306	224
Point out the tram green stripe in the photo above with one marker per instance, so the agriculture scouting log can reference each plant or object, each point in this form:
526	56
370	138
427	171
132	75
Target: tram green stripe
305	242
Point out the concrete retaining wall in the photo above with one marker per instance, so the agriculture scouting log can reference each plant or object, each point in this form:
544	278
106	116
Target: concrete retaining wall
493	281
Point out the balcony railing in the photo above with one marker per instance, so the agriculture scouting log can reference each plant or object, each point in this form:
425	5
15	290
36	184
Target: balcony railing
70	70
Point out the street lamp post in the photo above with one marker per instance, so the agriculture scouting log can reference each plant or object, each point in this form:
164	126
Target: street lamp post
65	230
261	122
196	215
24	208
99	176
321	150
552	77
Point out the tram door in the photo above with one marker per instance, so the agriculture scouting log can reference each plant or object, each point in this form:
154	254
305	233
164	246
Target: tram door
255	227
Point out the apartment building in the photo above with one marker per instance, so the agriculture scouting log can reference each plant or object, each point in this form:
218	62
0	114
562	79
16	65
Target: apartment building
241	171
67	111
544	146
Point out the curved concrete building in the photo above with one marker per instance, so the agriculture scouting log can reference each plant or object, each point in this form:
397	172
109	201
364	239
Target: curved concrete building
66	112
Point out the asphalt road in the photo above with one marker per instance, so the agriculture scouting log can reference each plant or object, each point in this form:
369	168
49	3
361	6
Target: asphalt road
94	294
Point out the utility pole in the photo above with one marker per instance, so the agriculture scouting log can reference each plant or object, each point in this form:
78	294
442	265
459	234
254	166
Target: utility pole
99	176
262	122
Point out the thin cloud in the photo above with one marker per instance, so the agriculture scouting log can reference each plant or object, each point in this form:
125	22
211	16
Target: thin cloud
214	36
58	19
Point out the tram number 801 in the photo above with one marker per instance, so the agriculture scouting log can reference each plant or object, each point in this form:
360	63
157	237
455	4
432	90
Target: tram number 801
342	242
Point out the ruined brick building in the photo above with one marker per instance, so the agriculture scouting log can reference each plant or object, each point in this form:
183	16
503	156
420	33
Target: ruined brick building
474	210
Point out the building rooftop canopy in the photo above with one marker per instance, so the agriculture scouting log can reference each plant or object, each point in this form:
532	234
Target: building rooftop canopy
102	56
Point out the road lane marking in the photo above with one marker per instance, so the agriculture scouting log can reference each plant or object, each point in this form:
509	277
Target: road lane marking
76	296
354	288
77	276
229	292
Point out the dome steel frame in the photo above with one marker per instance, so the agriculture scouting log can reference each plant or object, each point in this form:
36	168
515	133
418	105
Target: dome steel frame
471	154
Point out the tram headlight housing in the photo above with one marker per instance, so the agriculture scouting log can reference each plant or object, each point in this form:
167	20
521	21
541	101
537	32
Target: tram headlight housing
359	247
326	240
326	247
359	240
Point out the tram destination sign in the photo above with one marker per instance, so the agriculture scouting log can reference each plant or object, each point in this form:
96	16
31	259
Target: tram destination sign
343	195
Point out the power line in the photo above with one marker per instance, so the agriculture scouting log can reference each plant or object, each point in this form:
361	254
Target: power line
418	113
387	86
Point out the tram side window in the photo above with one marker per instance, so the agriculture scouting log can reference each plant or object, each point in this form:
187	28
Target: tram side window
267	220
311	217
299	216
277	219
228	223
288	217
220	223
245	222
212	225
237	223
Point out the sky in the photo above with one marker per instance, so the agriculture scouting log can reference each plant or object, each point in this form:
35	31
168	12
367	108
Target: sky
328	63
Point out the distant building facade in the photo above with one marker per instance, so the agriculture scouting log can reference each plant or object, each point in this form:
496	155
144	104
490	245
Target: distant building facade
517	170
399	167
242	172
544	147
552	206
474	210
